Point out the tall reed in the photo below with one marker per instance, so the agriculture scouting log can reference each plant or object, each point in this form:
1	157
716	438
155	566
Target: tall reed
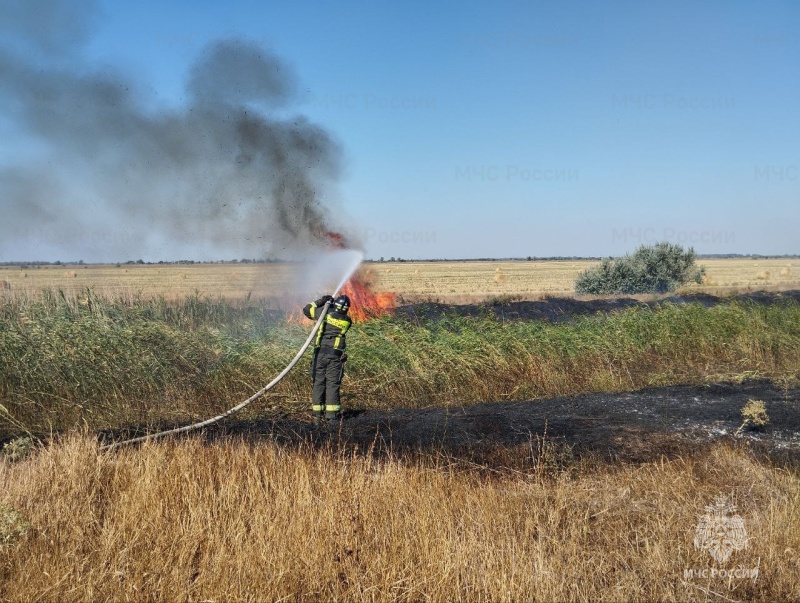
117	362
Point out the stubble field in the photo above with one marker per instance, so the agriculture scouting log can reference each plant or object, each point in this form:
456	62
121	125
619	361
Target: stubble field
446	281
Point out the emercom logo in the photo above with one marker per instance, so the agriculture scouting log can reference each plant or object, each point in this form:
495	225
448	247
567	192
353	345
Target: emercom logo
720	532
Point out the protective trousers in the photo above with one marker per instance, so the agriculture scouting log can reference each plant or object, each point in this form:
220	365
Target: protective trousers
327	372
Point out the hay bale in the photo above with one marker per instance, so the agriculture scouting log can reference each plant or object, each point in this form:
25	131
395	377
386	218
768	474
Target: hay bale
786	272
5	285
763	275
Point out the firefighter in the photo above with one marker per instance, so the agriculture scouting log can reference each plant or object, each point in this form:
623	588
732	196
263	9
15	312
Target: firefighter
327	364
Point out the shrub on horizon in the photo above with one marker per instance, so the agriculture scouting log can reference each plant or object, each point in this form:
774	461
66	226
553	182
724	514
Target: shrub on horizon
659	268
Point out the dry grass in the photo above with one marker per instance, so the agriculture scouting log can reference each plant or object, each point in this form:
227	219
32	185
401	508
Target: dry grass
446	281
254	522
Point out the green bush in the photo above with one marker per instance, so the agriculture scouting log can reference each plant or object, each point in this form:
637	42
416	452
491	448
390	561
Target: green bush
659	268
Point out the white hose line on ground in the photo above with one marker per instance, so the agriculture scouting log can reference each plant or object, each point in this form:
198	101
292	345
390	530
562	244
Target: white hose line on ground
236	408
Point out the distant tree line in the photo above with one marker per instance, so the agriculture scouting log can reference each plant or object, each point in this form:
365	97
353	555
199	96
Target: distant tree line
551	258
531	258
39	263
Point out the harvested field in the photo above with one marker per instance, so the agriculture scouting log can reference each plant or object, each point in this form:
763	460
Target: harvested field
447	281
470	282
172	281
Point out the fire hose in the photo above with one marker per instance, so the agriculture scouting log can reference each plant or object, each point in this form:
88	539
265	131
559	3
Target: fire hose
239	406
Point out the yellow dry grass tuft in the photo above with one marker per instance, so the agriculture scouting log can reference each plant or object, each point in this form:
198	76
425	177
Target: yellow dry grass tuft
754	414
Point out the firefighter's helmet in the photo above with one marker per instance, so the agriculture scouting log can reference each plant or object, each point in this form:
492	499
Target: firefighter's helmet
342	303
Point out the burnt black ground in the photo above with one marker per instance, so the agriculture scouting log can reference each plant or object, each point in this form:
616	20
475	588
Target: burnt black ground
559	309
628	426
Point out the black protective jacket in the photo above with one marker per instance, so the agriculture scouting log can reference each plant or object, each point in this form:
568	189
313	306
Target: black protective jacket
331	335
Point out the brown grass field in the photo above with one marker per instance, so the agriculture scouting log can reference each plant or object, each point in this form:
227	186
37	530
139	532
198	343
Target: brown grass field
187	521
462	281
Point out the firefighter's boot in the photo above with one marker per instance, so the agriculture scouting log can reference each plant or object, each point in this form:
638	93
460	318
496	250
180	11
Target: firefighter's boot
318	413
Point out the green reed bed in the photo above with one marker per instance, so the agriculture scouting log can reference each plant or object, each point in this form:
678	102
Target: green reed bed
67	361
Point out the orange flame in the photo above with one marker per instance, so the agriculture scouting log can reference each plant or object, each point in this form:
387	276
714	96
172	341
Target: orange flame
364	303
335	240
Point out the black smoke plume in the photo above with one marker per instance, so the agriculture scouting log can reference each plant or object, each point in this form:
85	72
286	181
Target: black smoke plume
105	173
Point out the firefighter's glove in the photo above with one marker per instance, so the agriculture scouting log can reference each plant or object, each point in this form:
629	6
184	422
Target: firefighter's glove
323	300
343	358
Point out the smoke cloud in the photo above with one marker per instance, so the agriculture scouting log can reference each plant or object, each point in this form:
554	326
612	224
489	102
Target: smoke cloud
105	176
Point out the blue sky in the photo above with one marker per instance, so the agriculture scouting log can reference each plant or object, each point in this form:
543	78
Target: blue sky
513	129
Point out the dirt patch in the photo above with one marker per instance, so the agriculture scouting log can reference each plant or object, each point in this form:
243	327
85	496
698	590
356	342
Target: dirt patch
630	426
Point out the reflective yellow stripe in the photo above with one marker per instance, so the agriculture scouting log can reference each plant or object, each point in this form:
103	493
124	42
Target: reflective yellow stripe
313	310
333	407
339	323
317	407
336	323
